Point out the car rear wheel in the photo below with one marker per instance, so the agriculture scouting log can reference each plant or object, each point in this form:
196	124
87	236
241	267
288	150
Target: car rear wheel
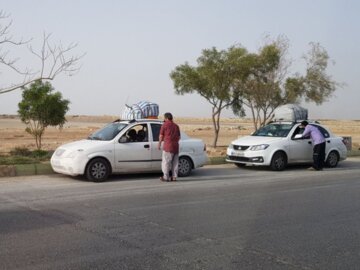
332	159
97	170
185	166
278	161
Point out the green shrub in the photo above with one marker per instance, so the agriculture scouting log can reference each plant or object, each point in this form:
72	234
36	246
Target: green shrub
14	160
41	154
22	155
20	151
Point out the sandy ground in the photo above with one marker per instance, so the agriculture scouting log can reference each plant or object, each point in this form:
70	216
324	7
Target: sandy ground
12	131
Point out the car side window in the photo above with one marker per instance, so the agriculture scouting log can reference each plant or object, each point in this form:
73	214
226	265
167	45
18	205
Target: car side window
138	133
298	131
155	128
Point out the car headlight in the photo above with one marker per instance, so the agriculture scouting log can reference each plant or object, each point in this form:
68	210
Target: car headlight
73	154
259	147
231	146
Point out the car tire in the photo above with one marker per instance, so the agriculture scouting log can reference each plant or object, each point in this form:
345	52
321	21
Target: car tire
240	165
332	159
185	166
98	170
278	161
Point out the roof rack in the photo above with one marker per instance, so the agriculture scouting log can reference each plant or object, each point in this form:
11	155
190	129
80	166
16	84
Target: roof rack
143	120
308	120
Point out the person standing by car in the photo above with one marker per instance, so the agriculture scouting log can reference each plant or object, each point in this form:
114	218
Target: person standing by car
319	144
170	135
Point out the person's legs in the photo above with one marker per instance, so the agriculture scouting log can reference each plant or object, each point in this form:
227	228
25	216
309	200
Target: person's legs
166	164
175	166
322	147
317	156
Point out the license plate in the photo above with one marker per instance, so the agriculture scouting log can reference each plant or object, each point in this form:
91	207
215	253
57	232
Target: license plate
237	153
56	162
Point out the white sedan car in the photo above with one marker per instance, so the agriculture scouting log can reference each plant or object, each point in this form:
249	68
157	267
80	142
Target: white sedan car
124	147
280	143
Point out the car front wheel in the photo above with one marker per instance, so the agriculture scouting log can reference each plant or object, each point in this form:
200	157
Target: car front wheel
278	161
97	170
240	165
332	160
185	166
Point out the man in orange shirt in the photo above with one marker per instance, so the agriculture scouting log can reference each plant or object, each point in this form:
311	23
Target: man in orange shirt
170	135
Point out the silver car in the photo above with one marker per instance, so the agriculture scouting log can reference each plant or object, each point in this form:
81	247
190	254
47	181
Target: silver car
280	143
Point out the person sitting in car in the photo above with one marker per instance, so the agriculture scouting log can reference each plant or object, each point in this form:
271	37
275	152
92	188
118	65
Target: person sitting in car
131	135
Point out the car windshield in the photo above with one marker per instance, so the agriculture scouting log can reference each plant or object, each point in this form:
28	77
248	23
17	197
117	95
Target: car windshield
274	130
108	132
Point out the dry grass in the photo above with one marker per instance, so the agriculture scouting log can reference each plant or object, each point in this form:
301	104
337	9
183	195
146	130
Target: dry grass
12	131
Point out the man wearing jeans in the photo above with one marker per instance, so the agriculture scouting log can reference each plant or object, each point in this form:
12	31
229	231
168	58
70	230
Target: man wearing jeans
319	144
170	135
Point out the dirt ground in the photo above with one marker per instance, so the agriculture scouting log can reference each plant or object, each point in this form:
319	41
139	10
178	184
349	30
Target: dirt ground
12	131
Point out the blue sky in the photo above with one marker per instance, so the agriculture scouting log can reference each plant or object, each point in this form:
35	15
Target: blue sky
132	46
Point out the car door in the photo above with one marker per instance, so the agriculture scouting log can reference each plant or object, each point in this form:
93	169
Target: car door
328	139
301	149
156	154
132	151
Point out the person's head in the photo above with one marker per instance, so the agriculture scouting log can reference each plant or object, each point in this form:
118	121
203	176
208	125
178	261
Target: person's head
132	134
304	123
168	116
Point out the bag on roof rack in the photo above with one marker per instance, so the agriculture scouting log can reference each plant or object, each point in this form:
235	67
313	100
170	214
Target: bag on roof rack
141	110
290	112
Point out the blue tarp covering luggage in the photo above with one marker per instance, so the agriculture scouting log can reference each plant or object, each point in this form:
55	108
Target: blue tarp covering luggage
140	110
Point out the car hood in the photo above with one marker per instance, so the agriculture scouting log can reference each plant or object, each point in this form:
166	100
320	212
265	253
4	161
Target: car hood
256	140
83	145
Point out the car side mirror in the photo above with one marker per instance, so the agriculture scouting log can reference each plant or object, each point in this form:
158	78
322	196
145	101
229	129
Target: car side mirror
298	137
123	139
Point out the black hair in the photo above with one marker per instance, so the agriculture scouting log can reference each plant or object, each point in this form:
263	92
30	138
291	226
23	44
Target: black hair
168	116
304	123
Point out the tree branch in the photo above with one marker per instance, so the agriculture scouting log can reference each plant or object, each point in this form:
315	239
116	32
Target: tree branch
53	59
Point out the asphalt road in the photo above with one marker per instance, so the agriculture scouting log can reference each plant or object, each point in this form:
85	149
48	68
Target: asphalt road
221	217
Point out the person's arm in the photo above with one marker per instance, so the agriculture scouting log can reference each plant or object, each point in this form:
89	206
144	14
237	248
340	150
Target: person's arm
161	137
306	132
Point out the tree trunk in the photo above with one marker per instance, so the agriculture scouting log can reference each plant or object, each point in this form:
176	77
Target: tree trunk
216	124
38	138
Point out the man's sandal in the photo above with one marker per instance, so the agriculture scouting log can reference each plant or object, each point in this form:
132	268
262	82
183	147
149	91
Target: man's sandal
163	179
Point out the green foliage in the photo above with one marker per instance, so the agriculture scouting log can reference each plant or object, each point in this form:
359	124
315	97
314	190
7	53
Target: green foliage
40	108
41	154
14	160
318	85
22	155
213	78
20	151
260	81
269	85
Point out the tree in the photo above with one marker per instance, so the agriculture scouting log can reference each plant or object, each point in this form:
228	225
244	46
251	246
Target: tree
40	108
260	91
213	79
53	59
269	85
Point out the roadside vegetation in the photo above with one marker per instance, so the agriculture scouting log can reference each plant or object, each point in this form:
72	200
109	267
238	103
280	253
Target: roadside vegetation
40	108
22	155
